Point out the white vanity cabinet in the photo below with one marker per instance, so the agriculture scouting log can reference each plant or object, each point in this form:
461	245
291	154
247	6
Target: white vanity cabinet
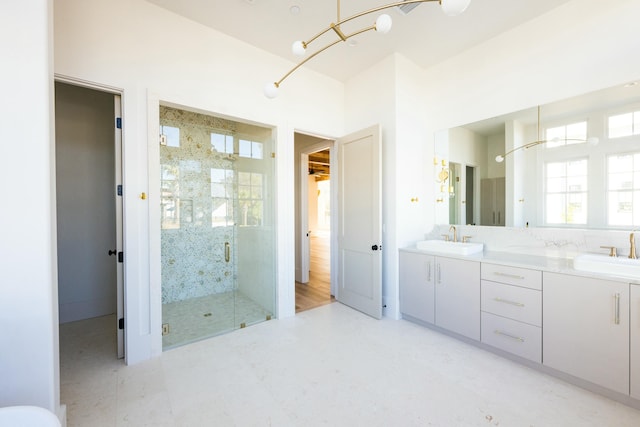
417	297
634	321
586	329
457	296
511	306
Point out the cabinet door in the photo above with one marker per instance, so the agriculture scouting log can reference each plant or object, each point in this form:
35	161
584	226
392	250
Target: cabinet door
635	341
586	329
458	296
416	285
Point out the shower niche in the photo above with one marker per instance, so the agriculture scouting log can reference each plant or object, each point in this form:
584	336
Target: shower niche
217	225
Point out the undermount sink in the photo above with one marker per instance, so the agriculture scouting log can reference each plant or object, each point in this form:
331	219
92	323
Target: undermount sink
619	266
457	248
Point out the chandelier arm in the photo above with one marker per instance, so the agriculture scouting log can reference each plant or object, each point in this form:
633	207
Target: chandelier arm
358	15
306	60
345	38
523	147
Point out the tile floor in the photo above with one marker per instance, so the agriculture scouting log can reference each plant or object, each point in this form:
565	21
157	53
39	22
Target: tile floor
327	366
197	318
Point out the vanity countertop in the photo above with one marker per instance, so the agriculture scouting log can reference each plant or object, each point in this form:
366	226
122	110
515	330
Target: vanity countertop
536	262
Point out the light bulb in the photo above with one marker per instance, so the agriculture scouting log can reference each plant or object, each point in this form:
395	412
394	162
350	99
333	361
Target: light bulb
500	158
383	24
271	90
298	48
454	7
593	140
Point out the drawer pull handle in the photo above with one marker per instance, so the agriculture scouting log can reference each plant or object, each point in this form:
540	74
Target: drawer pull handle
513	276
504	334
617	308
506	301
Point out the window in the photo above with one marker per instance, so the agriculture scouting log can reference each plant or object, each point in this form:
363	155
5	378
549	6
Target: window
222	143
169	197
250	149
221	197
171	135
575	133
623	189
251	198
566	192
626	124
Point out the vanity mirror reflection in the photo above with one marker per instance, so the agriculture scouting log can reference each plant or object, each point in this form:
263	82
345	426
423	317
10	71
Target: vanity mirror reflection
571	163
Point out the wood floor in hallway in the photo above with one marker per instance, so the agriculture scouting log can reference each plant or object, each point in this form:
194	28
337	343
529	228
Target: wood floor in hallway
318	291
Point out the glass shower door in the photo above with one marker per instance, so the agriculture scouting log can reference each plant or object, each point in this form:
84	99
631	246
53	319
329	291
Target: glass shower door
215	226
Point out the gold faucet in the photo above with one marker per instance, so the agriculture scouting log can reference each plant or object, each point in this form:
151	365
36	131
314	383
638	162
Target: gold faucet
632	251
455	233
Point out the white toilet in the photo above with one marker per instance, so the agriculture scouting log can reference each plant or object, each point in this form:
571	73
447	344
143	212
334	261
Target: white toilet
27	416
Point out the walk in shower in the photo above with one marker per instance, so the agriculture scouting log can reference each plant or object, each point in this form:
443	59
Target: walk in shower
217	225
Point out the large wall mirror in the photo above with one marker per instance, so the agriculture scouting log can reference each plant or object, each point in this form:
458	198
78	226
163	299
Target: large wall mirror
581	170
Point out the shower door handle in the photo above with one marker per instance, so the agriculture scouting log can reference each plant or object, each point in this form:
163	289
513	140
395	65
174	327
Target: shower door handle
227	251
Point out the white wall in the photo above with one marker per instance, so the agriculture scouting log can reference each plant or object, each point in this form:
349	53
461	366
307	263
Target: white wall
29	367
390	93
154	55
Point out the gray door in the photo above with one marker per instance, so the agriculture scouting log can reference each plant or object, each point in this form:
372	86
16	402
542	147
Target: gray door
360	221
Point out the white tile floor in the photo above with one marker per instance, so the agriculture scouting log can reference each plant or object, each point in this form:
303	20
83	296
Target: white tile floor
197	318
327	366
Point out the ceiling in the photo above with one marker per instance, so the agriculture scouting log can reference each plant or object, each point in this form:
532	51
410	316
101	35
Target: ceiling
425	36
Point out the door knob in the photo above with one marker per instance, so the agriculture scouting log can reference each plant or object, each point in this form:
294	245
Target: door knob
374	247
113	252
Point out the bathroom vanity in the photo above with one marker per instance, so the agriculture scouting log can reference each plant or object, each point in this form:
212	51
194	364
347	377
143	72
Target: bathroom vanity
583	327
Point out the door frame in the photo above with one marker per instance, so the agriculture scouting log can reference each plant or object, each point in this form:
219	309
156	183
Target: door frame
304	209
119	201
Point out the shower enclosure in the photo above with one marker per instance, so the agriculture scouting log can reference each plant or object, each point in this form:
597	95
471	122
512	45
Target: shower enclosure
217	233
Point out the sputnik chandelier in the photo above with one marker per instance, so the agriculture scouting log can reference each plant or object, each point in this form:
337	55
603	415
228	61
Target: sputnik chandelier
382	26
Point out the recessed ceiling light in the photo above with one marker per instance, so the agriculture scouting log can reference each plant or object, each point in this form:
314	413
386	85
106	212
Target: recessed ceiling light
631	84
294	10
250	1
352	42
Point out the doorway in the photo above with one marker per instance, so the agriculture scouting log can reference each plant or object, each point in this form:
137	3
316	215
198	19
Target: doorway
217	225
313	222
89	206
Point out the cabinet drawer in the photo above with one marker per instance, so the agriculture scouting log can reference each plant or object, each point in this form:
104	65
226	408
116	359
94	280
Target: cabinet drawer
514	337
512	275
522	304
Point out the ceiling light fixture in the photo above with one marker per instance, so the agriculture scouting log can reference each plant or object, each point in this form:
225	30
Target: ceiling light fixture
591	141
382	25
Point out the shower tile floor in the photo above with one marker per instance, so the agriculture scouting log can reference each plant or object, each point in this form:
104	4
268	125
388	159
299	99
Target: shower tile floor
198	318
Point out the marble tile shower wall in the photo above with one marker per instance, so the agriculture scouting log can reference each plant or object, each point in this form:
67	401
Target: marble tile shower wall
549	242
193	249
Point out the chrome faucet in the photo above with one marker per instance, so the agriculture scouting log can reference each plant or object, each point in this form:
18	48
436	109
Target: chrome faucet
632	251
455	233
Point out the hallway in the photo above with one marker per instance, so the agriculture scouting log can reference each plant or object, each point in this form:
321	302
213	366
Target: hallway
318	291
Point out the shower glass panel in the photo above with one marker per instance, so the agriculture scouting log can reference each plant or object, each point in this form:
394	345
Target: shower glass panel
217	233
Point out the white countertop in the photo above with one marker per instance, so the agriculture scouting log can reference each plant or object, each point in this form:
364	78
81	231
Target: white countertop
536	262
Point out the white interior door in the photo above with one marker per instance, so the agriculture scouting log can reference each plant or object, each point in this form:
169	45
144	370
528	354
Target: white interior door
117	102
360	221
